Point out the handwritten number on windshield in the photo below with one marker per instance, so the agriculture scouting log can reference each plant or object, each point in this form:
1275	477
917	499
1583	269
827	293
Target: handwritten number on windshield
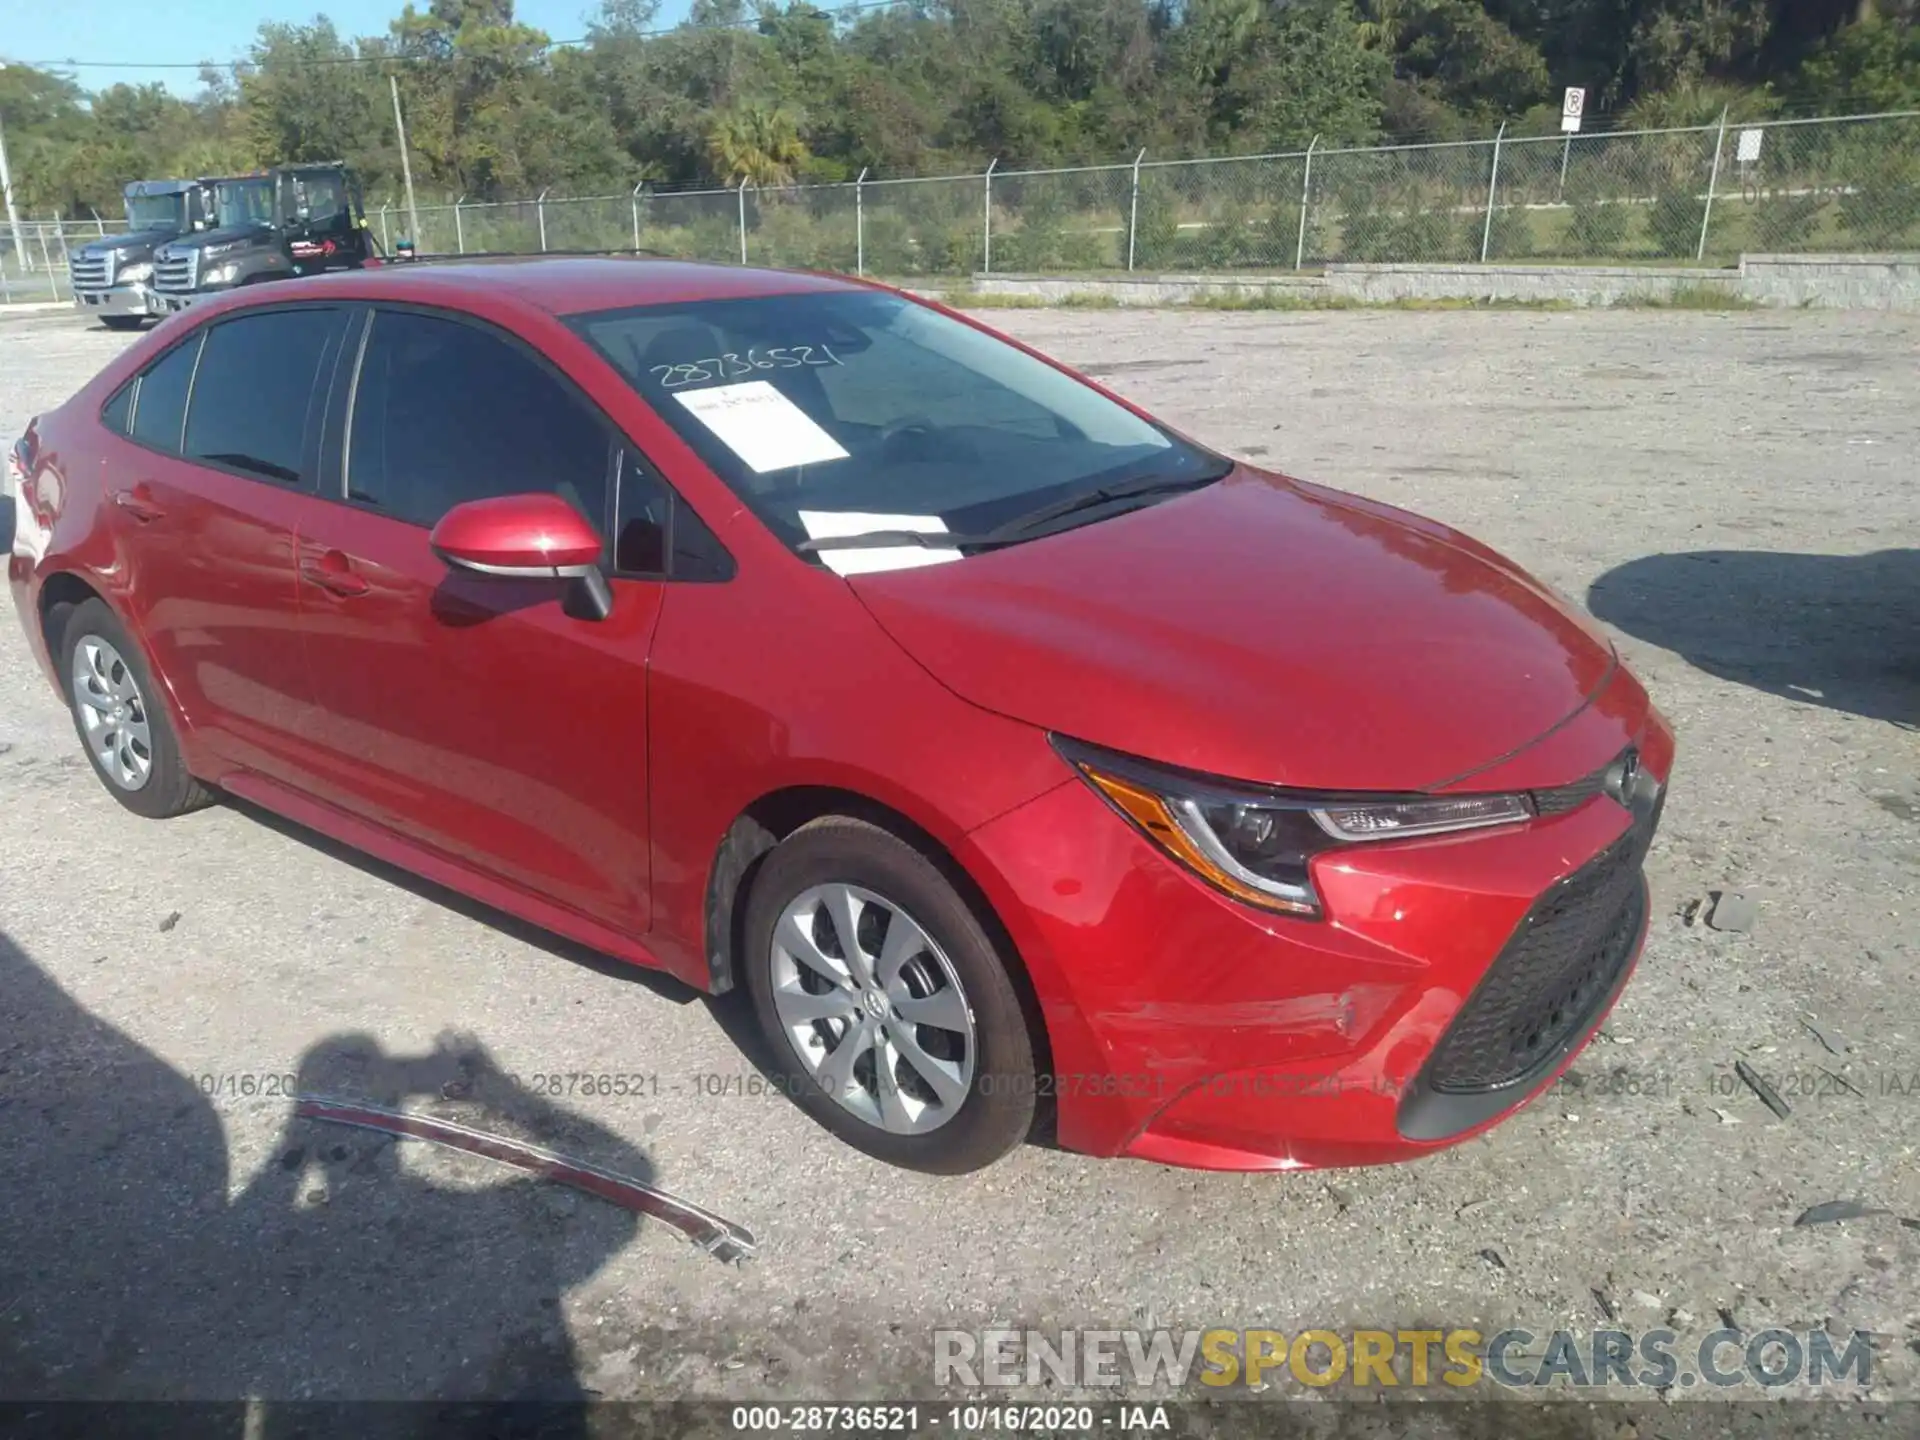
733	366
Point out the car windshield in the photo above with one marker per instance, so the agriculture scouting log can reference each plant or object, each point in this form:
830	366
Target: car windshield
243	202
834	413
156	212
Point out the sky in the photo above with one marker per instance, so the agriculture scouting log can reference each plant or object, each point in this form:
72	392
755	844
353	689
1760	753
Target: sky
130	31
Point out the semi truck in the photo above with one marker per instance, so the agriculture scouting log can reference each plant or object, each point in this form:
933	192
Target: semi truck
112	277
271	225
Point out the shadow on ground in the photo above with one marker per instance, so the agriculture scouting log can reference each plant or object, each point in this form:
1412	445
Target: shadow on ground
1842	631
139	1261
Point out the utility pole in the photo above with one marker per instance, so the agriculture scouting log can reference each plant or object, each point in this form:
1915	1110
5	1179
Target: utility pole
406	163
6	184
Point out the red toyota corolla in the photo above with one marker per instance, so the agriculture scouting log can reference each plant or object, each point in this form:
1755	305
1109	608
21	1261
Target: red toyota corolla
1010	749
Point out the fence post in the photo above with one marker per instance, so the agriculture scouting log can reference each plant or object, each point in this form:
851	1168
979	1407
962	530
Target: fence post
986	244
1493	184
386	244
860	222
634	200
743	219
66	256
459	228
540	210
1306	194
46	259
1133	206
1713	179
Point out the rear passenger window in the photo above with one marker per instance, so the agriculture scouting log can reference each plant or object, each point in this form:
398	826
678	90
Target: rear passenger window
446	412
118	412
257	384
160	406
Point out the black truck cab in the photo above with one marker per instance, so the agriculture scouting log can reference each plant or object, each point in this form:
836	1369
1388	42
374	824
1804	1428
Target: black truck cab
273	225
112	277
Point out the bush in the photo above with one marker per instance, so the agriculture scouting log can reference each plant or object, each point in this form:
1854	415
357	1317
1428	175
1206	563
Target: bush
1429	235
1597	228
1674	224
1156	227
1512	237
1785	222
1883	214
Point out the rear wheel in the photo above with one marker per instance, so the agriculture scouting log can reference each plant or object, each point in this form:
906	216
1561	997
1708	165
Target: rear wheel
119	718
890	1014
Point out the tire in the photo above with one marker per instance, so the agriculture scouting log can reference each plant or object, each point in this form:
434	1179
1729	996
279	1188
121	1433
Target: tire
127	733
123	322
966	1096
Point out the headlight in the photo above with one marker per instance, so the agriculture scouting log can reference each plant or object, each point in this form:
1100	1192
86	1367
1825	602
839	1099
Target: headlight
218	274
139	270
1253	842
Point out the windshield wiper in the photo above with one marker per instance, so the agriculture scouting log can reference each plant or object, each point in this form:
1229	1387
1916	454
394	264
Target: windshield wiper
1022	527
882	539
1136	488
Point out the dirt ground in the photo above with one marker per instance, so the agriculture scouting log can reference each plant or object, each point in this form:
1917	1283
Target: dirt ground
1737	496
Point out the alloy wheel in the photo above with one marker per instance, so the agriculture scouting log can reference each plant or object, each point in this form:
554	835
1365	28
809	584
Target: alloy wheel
112	712
873	1008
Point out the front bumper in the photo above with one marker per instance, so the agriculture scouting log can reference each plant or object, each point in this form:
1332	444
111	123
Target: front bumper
131	299
1191	1030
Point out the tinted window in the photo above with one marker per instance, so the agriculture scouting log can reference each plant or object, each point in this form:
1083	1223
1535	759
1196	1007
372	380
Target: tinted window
119	410
258	382
161	404
657	533
862	402
446	412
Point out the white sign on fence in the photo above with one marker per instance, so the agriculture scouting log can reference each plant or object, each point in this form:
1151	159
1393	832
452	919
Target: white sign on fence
1749	150
1570	108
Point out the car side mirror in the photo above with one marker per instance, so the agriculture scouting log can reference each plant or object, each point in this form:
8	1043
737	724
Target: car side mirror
535	536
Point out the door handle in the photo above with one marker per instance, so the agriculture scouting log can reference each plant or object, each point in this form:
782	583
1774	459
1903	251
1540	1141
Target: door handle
334	572
138	502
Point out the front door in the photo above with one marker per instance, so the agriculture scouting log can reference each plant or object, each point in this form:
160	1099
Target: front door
468	713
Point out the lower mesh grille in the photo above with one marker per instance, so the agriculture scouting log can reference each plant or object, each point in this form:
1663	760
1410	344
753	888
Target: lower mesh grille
1552	976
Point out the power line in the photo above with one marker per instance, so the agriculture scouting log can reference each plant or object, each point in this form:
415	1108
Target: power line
833	13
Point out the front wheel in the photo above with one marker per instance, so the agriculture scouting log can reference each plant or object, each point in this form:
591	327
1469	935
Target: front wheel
123	322
890	1014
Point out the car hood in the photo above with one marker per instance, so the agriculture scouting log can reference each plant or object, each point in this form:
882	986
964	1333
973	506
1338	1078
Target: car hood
202	239
1262	629
132	240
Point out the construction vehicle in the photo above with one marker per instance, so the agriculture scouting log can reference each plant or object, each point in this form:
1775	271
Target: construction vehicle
112	277
271	225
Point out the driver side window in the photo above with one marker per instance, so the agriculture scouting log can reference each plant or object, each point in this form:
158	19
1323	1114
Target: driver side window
445	412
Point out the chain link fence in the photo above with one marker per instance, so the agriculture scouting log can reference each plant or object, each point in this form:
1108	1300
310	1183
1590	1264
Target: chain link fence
1704	194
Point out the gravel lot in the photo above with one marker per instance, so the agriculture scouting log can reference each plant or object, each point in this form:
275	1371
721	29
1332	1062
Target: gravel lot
1736	495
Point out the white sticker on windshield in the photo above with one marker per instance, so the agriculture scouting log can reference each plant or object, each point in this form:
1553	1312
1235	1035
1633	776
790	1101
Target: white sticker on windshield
761	426
821	524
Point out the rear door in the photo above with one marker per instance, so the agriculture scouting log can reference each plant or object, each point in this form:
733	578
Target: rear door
473	714
219	455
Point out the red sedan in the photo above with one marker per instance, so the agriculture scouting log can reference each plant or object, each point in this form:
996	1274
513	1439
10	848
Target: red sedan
1013	751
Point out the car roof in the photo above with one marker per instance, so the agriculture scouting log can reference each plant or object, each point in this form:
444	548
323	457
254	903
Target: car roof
572	284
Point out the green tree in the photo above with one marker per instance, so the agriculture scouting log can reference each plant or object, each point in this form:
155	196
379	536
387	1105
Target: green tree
756	143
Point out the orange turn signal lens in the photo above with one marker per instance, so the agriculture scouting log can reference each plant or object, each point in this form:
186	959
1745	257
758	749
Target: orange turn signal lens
1149	811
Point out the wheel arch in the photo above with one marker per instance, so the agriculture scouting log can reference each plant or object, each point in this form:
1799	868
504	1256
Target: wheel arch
61	593
776	815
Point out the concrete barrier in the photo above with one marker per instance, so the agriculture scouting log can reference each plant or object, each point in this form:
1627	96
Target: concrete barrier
1541	284
1841	282
1848	282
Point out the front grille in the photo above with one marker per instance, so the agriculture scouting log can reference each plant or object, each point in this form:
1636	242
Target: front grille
91	272
1550	978
1563	798
177	273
